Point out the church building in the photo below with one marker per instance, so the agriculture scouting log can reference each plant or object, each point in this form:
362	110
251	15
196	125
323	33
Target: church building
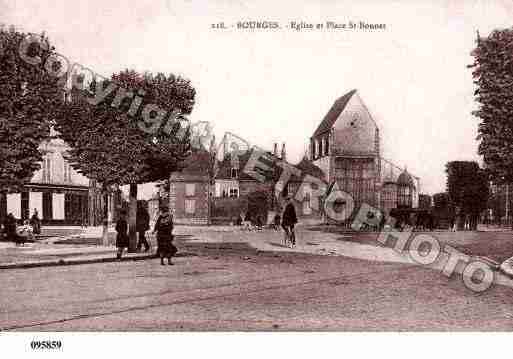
346	146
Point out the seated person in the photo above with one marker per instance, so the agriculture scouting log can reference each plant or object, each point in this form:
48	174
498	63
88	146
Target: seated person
25	232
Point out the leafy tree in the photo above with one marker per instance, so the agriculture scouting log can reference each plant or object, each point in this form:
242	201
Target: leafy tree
441	200
443	210
113	147
493	77
424	201
29	98
467	186
258	205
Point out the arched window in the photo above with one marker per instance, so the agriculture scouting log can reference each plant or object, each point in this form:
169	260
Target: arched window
404	196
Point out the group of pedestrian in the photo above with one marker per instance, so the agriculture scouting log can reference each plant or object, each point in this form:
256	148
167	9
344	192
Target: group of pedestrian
163	230
23	233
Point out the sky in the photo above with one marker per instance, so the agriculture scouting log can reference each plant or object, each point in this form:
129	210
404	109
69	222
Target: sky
277	85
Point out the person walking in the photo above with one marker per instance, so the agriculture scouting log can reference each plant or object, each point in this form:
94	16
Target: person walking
142	225
35	222
122	235
289	220
163	229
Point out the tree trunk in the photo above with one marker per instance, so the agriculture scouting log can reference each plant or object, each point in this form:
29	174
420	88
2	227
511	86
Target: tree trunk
3	206
132	219
460	222
105	215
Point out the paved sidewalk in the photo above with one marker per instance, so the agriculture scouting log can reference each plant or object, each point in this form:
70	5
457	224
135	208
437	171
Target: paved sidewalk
64	245
48	254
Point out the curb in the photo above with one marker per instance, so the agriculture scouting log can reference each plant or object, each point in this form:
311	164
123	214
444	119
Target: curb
77	261
73	261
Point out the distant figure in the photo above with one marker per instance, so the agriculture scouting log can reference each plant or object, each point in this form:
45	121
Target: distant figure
289	220
453	225
122	236
238	221
246	224
259	222
247	217
142	225
10	228
36	222
164	230
276	222
24	233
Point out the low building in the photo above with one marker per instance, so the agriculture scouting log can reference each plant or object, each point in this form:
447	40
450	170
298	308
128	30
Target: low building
190	190
59	194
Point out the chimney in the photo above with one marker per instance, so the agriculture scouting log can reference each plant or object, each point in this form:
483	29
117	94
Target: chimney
275	152
283	153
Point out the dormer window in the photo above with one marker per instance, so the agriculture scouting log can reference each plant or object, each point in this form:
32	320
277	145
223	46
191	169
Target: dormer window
234	173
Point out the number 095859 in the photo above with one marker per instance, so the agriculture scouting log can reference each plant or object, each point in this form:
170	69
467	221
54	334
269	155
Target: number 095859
45	344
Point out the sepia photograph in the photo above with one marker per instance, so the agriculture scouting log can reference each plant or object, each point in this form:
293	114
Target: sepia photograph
177	170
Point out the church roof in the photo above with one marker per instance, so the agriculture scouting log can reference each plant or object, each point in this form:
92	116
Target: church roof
334	112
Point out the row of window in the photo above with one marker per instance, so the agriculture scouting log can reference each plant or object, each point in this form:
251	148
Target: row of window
320	147
232	193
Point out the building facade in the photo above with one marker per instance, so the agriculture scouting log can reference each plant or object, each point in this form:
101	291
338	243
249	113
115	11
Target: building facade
190	190
59	194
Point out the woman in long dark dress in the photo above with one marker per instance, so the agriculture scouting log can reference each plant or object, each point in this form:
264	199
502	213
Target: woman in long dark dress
122	236
164	229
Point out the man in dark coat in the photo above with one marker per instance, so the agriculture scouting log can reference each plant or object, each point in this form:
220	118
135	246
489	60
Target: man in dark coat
289	220
142	225
10	227
35	222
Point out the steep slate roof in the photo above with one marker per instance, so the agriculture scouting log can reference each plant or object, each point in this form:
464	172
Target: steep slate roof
225	166
334	112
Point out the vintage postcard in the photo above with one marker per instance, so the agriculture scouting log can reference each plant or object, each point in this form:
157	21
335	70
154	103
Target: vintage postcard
173	167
